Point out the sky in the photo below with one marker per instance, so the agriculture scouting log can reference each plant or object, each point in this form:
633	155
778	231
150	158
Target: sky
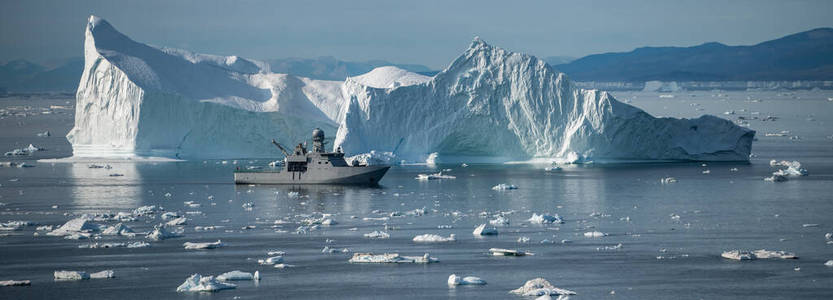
424	32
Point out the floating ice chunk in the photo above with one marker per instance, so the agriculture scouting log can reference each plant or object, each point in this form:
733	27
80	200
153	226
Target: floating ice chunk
738	255
828	263
24	151
454	280
44	134
432	158
776	178
172	215
271	260
391	258
161	233
499	221
483	230
809	225
71	275
523	239
138	245
433	238
177	221
376	219
377	235
199	246
540	287
103	245
762	254
614	247
103	274
15	282
147	210
504	187
293	195
75	227
118	229
595	234
668	180
545	219
434	176
238	275
508	252
198	283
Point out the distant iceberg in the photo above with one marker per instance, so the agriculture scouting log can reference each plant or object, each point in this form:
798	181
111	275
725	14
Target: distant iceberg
138	100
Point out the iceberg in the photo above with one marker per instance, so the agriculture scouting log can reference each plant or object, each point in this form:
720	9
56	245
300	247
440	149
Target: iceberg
540	287
198	283
454	280
200	246
391	258
434	238
545	219
238	275
483	230
138	100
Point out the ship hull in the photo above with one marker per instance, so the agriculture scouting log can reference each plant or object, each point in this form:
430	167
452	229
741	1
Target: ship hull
369	175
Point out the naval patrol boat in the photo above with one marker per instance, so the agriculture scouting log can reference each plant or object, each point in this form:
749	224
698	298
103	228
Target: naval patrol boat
313	167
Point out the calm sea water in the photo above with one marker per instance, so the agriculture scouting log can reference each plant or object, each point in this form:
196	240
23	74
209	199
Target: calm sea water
662	256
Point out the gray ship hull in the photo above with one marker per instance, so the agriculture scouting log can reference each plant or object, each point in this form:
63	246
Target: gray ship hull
367	175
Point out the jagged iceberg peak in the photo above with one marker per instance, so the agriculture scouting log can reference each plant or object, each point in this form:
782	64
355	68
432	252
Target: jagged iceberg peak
494	102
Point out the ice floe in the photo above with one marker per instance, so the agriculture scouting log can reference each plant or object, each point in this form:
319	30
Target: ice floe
271	260
433	238
545	219
238	275
81	275
540	287
504	187
391	258
483	230
77	227
15	282
499	221
434	176
161	233
508	252
377	235
198	283
454	280
23	151
757	254
199	246
118	229
594	234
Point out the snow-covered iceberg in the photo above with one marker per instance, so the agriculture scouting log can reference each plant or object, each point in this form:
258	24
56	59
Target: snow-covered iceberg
138	100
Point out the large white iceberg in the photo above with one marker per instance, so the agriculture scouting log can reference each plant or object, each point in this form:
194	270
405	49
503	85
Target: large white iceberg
134	99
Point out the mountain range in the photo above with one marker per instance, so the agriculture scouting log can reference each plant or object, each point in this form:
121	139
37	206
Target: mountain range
802	56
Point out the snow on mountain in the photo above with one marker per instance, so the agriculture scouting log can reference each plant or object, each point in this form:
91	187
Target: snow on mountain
134	99
492	102
390	77
139	100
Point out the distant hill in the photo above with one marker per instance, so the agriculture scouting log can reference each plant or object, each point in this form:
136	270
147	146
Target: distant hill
802	56
330	68
558	60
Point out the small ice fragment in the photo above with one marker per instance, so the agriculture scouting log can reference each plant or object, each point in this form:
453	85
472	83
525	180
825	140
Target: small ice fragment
236	275
160	233
391	258
523	239
177	221
829	263
483	230
499	221
138	245
668	180
377	235
809	225
540	287
764	254
199	246
15	282
271	260
508	252
595	234
434	176
504	187
293	195
454	280
433	238
198	283
103	274
71	275
545	219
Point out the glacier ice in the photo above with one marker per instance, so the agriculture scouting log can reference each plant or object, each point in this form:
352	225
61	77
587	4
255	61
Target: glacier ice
138	100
